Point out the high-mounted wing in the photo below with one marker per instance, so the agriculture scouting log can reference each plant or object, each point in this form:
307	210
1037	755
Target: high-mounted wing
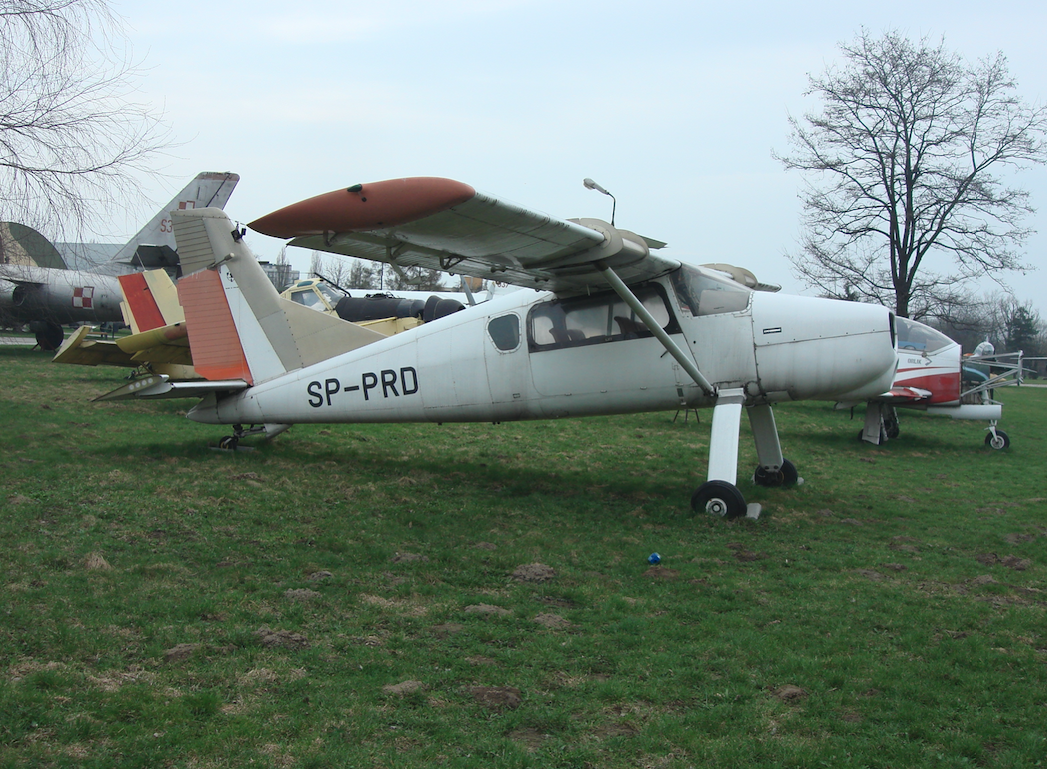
446	225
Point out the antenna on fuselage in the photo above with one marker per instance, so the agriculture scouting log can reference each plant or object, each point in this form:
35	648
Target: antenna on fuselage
591	185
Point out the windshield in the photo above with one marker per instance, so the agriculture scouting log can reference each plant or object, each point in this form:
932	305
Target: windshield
700	293
916	336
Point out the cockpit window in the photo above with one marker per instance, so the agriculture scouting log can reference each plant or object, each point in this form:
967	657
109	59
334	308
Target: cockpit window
308	297
600	318
702	294
918	337
505	332
330	294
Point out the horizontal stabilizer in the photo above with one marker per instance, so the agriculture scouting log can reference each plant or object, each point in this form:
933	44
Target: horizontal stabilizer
162	387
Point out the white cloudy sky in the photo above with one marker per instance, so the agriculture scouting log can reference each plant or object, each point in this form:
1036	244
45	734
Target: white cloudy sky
675	107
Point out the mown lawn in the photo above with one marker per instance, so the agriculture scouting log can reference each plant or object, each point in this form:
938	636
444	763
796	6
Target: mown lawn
480	595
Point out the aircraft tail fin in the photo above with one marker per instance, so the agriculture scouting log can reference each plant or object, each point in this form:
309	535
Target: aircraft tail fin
154	245
239	326
150	301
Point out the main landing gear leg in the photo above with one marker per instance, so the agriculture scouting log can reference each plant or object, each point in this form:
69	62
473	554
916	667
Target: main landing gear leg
774	469
719	495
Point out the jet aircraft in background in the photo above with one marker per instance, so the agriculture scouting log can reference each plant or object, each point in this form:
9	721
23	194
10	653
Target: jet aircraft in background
613	328
37	288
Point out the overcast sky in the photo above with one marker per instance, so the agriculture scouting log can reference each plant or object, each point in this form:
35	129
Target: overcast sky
675	107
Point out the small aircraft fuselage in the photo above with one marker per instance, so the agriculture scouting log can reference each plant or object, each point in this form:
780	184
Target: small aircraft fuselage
535	355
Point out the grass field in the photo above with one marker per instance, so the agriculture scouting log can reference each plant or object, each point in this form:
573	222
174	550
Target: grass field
480	596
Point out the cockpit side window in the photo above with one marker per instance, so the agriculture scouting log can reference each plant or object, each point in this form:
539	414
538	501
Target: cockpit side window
505	332
918	337
308	297
595	319
702	294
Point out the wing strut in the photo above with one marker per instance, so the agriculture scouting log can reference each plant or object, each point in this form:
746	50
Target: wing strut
671	347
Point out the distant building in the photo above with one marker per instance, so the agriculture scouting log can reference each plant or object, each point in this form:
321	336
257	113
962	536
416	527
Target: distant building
280	275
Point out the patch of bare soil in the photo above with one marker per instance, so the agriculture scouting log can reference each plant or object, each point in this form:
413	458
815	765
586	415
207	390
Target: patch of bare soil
904	544
497	698
404	688
180	652
285	639
875	576
409	558
1019	538
485	546
534	572
617	729
661	572
553	621
447	629
743	555
1010	561
748	556
552	600
530	738
487	610
789	693
301	595
96	562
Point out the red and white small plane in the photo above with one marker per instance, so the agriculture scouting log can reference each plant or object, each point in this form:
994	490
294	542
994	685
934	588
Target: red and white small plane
611	328
930	378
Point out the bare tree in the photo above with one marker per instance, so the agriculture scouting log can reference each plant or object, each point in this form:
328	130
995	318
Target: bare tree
73	140
903	207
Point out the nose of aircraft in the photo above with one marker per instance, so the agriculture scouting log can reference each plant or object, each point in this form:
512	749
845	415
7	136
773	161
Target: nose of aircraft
822	349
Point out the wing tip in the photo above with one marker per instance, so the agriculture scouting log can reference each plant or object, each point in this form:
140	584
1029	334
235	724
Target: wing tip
361	207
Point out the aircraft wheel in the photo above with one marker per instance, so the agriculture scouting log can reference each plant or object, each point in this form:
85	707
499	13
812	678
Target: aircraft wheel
50	338
229	442
998	441
718	498
785	476
765	477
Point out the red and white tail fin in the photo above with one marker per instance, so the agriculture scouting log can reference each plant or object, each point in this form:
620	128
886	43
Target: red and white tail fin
150	300
239	326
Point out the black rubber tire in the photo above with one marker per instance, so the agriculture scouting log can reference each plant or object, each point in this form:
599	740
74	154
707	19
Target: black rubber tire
1001	441
785	476
229	442
720	499
51	339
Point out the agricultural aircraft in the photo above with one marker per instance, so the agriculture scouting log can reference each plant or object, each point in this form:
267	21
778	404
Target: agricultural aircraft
611	328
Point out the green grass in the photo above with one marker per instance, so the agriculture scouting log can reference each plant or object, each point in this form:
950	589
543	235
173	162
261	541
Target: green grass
901	588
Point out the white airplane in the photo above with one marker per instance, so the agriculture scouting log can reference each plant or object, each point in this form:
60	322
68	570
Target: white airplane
37	288
614	329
